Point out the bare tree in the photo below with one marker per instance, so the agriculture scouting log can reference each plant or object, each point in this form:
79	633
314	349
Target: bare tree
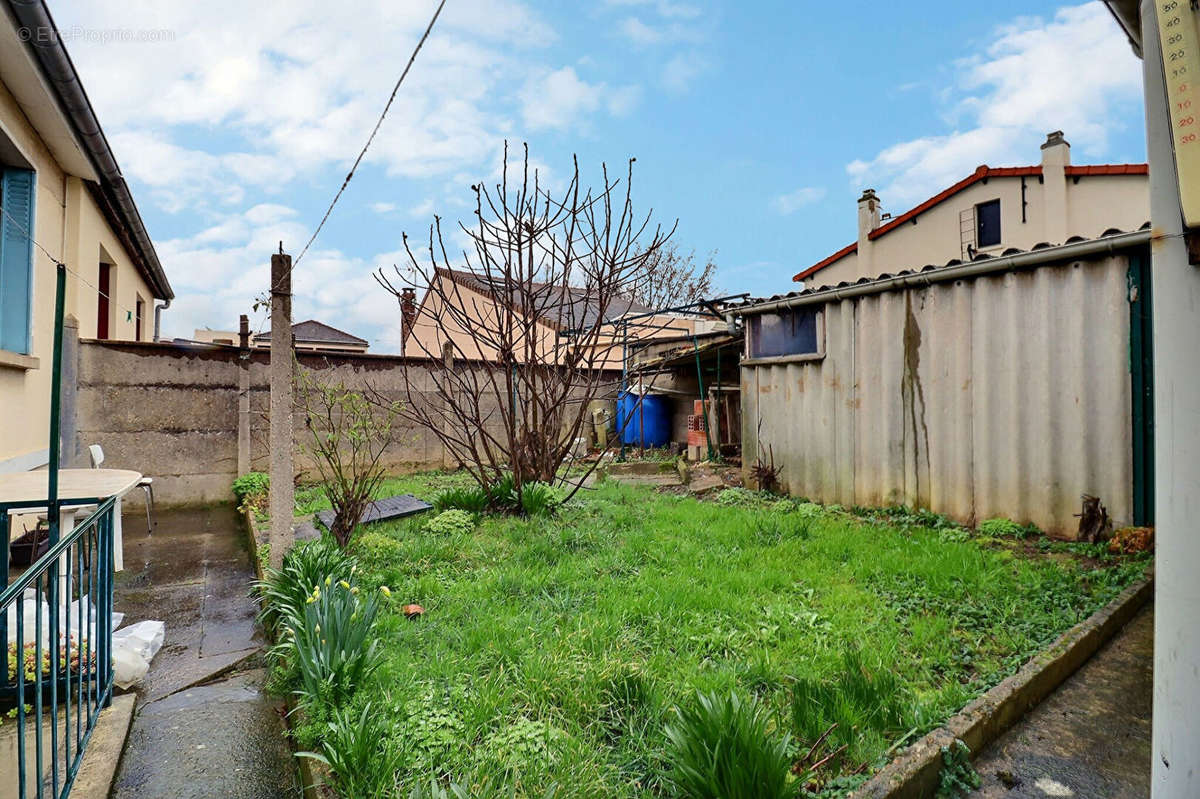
529	319
348	434
673	278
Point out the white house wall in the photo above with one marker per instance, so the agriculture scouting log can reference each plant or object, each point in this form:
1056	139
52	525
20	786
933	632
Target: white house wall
1005	395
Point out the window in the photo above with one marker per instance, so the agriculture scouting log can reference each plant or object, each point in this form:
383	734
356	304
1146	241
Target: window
987	224
788	332
16	258
102	303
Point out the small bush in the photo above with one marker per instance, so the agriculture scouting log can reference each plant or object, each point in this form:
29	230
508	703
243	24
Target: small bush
333	647
472	499
738	497
1007	528
502	494
285	592
540	499
360	753
724	747
450	523
252	489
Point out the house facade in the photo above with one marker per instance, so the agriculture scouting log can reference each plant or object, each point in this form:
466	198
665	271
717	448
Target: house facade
60	183
993	210
432	327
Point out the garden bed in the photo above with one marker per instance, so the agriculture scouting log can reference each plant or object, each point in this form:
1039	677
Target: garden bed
555	651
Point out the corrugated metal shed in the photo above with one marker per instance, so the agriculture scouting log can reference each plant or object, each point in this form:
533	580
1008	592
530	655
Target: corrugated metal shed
1001	391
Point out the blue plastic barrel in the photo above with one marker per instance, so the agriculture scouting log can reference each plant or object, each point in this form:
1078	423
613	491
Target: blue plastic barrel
645	424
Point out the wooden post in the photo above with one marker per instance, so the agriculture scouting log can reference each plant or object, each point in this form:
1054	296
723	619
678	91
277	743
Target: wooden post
283	502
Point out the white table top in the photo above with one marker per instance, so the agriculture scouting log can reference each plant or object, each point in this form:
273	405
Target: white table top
72	484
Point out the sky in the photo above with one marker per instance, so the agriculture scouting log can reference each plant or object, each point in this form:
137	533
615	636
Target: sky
755	125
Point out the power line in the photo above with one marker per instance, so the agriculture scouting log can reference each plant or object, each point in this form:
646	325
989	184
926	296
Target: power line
371	138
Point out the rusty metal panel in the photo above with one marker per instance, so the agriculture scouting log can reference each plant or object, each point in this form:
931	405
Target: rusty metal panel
998	395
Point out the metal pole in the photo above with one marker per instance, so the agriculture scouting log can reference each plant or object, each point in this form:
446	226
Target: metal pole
60	286
1175	759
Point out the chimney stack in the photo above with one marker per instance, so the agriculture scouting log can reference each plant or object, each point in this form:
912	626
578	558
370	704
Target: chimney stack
1057	150
868	220
1056	156
408	316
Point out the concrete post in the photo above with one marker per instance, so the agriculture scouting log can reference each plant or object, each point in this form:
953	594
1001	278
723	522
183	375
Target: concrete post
283	502
243	433
68	432
1175	754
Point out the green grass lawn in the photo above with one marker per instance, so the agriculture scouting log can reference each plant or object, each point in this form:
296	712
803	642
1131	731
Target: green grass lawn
554	650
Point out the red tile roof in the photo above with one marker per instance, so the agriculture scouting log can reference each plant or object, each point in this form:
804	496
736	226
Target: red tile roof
980	174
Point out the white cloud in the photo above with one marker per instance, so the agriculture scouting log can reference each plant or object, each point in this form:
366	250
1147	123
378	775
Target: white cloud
681	70
793	201
560	98
1074	73
384	208
639	32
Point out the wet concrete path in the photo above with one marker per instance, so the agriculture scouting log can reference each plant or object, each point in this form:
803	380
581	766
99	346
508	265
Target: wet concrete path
1091	738
204	727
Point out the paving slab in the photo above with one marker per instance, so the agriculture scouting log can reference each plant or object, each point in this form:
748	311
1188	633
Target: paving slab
1091	738
203	728
217	740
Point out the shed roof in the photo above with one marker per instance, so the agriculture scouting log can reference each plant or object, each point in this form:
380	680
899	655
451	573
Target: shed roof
1043	254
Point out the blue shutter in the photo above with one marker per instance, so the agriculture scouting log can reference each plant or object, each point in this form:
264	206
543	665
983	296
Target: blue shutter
16	259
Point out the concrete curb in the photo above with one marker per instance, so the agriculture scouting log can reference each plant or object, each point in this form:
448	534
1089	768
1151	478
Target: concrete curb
914	774
98	769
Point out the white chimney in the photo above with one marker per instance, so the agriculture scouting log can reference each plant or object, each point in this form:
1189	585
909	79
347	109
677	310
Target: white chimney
1056	156
868	220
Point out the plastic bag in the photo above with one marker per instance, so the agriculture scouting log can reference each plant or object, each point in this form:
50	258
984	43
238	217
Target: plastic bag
133	648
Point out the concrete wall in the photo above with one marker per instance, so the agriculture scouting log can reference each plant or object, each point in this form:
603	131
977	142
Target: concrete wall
1001	395
172	412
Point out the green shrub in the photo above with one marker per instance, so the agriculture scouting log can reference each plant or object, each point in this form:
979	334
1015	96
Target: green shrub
1007	528
251	488
450	522
540	499
502	494
333	648
361	754
738	497
724	747
378	549
472	499
285	592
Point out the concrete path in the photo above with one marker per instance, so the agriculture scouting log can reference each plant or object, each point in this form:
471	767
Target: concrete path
1091	738
203	726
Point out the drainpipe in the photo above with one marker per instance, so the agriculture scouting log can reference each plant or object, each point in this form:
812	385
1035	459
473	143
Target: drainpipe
158	309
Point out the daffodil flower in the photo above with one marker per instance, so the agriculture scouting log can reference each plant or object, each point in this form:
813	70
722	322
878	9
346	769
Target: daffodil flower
383	589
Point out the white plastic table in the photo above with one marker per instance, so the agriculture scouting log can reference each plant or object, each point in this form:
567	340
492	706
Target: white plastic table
76	487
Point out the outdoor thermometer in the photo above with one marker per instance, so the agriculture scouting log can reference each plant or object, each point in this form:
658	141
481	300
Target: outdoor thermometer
1181	67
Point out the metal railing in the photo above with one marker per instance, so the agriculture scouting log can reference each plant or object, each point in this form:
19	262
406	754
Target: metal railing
56	666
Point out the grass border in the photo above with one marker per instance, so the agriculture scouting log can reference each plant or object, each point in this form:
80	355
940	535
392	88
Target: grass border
914	774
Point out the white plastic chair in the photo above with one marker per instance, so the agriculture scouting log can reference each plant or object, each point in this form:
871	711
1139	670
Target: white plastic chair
96	452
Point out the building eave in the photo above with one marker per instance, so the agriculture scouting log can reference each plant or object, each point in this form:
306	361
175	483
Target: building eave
74	135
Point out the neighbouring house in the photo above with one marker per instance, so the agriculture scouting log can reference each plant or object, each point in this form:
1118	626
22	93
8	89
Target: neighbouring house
430	327
60	182
310	336
993	210
1005	386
